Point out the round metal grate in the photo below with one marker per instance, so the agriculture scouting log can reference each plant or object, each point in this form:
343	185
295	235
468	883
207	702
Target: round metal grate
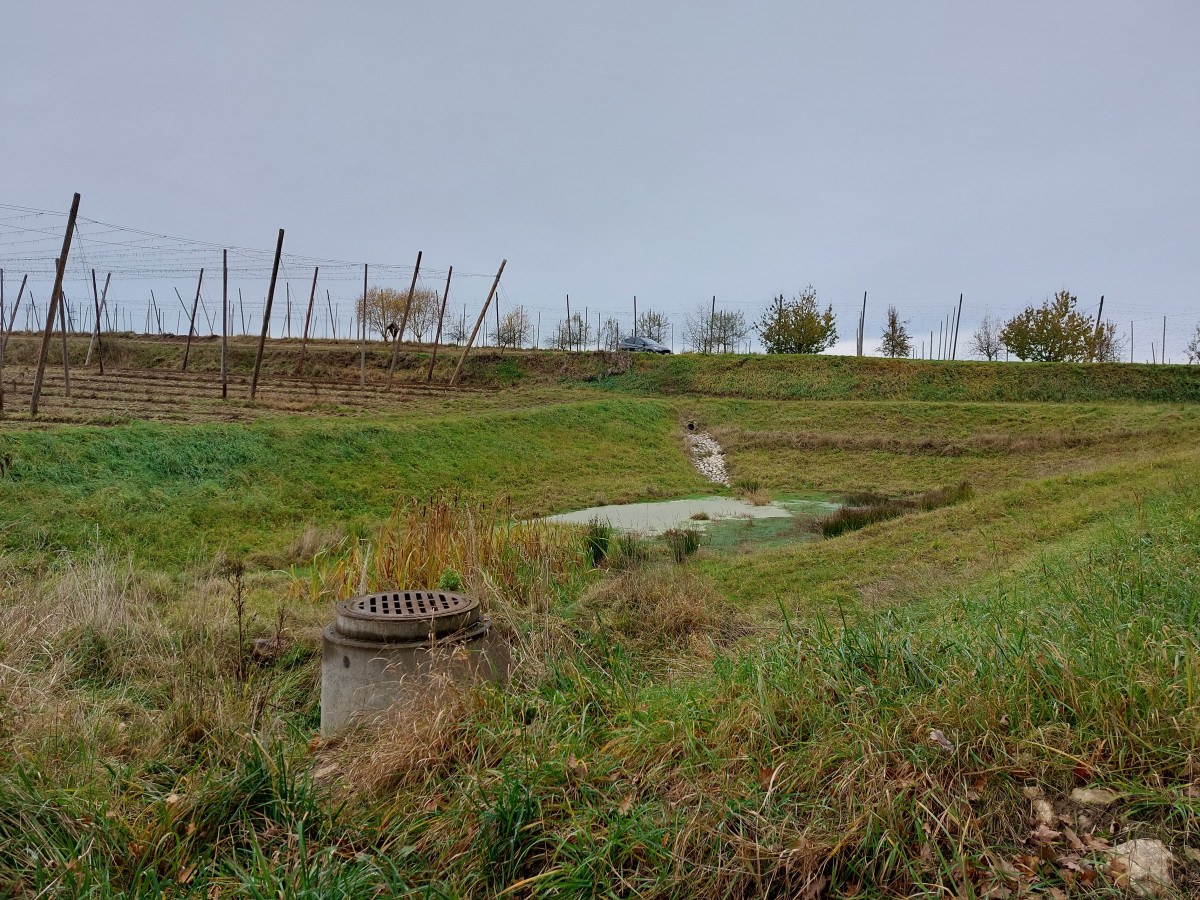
406	615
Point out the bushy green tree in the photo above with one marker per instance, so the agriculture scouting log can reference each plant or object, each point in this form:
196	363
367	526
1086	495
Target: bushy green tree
1052	332
798	325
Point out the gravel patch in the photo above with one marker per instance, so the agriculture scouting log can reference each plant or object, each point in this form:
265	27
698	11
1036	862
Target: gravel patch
707	457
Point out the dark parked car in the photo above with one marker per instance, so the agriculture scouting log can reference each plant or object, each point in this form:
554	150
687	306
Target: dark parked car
642	345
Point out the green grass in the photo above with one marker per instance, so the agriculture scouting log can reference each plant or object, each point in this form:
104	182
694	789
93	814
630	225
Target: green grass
842	377
803	755
172	493
754	722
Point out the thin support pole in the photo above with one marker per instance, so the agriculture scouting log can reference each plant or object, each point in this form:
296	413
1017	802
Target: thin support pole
711	318
483	312
62	317
568	322
262	341
242	310
224	323
957	322
312	296
412	286
441	315
187	347
96	331
332	321
54	294
1162	348
362	330
12	319
1096	333
103	310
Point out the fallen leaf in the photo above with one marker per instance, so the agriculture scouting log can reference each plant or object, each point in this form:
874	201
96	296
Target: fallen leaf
1058	893
214	891
172	799
576	769
939	738
1044	834
1096	843
626	805
186	875
1072	838
191	828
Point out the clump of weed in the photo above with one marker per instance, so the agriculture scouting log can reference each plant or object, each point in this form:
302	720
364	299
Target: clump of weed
524	562
747	485
660	605
701	516
305	547
873	508
450	581
628	551
683	542
597	537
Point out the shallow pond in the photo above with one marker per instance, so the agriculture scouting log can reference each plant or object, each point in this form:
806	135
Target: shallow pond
654	518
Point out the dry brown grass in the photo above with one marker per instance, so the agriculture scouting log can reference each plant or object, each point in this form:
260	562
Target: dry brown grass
520	563
665	605
736	439
95	648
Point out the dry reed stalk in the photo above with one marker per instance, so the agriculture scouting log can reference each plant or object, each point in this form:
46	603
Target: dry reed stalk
518	561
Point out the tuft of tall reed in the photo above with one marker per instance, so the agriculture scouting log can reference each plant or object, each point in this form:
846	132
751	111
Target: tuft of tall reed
683	542
525	563
865	508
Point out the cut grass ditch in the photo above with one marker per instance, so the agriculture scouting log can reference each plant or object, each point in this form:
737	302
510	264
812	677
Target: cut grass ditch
863	509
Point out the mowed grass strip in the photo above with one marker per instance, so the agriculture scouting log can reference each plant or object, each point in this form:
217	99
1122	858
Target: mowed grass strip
897	448
926	552
174	493
818	377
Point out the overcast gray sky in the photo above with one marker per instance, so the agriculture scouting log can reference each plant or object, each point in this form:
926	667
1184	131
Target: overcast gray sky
670	150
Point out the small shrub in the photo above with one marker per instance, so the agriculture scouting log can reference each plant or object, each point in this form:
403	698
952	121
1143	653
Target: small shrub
683	542
701	516
450	581
747	485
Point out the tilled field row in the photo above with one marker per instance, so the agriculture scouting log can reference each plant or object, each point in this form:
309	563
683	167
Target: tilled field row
125	394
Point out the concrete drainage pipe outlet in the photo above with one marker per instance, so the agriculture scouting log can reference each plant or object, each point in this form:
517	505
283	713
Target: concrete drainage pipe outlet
383	648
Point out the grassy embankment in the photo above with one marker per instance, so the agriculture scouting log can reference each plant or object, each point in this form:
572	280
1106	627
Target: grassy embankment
175	493
726	375
668	731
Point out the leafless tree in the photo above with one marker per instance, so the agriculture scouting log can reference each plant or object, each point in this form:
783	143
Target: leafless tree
653	325
610	334
574	333
516	328
1193	347
985	342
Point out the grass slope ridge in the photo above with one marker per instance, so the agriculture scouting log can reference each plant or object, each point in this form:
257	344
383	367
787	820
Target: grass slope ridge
849	378
169	491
